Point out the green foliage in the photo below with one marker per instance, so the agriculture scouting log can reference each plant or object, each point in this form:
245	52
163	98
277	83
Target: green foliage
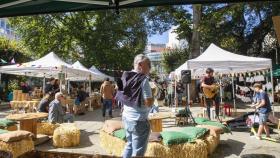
173	58
13	49
99	38
13	85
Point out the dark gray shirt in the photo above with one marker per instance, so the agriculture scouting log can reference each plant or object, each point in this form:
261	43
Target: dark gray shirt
56	112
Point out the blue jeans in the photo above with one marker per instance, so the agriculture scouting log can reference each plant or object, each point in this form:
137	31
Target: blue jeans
107	104
137	135
68	118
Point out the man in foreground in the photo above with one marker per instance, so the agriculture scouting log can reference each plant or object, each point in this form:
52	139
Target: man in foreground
136	96
264	107
56	111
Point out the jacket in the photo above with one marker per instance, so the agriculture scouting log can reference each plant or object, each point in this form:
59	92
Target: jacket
131	93
107	90
56	112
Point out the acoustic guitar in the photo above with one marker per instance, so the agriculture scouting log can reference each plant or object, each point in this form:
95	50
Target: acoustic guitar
211	92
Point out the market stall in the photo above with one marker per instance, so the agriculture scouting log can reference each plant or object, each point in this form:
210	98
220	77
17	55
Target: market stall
48	66
225	62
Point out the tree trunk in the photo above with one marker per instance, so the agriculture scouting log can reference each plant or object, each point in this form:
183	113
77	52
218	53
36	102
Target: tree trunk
195	44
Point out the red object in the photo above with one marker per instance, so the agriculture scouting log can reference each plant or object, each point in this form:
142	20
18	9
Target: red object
227	108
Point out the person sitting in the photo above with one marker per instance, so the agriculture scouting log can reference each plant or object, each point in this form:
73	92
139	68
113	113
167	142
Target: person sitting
44	104
80	101
56	111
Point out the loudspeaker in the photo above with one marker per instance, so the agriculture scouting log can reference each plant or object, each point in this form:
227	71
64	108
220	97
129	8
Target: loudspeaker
186	76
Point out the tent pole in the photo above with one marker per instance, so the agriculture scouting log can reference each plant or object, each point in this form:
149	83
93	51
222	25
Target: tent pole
272	90
233	94
68	87
221	93
175	98
90	103
44	84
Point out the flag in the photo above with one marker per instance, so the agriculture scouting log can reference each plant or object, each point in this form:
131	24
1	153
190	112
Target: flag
13	61
3	61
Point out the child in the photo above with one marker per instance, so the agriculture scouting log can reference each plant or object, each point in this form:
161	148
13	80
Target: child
264	108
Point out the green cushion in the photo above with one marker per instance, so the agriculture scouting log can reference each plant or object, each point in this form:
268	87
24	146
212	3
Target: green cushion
120	134
6	123
199	120
217	124
3	131
174	137
194	132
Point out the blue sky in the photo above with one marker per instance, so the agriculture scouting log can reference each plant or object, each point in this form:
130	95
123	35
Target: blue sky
160	39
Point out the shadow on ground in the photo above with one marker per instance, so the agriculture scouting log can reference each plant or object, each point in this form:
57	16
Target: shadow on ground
224	149
257	156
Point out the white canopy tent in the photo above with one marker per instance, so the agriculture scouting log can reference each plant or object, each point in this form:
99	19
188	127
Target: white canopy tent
103	76
224	62
48	66
91	75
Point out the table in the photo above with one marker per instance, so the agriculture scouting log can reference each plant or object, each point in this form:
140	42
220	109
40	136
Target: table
30	105
28	121
156	120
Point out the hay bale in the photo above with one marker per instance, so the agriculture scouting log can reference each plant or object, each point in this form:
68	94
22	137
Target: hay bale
66	135
212	143
111	144
18	148
46	128
115	146
189	150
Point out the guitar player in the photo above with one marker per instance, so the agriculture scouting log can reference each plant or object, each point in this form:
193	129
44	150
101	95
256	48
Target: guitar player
208	81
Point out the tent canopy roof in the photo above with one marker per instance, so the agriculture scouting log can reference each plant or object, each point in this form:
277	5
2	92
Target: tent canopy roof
223	61
47	66
94	70
10	8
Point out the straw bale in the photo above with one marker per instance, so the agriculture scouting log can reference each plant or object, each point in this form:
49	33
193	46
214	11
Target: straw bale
66	135
115	146
19	147
189	150
46	128
111	144
212	143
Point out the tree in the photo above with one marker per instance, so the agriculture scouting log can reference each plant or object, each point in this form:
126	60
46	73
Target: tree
195	43
100	38
173	58
12	49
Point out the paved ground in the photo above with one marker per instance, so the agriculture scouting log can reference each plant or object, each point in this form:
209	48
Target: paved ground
231	146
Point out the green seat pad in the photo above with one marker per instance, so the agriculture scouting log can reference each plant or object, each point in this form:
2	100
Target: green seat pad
194	132
174	137
7	123
216	124
199	120
120	134
3	131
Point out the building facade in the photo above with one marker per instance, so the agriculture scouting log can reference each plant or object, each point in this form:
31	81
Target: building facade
155	53
6	30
